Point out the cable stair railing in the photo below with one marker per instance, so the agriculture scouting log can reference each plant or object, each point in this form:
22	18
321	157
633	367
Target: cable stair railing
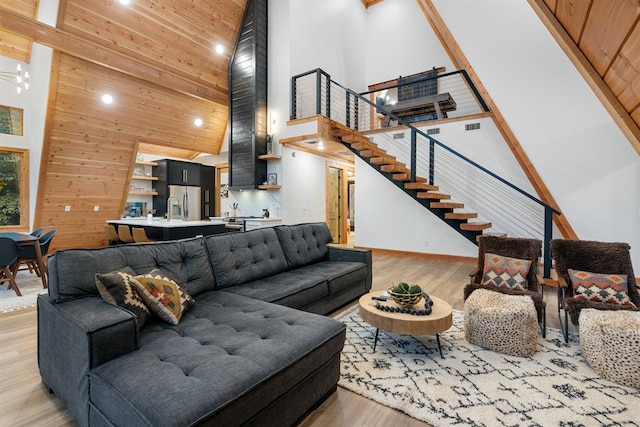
424	168
426	194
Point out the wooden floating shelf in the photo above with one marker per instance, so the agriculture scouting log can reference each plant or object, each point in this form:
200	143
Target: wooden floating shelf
147	178
145	163
269	157
143	193
269	187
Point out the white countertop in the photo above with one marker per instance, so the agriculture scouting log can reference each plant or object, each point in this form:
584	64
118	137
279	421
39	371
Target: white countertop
263	219
161	222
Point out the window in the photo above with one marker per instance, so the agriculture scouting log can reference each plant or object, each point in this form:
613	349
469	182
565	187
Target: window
14	188
10	120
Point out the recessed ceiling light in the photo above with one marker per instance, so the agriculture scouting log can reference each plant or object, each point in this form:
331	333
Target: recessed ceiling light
219	49
198	122
107	99
125	2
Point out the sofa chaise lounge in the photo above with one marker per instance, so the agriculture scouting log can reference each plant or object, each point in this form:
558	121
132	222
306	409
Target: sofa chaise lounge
255	349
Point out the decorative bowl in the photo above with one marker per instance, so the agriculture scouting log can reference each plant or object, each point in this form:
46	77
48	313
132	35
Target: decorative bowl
405	300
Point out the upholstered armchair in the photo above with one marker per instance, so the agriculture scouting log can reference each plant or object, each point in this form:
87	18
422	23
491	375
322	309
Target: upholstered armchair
513	247
611	270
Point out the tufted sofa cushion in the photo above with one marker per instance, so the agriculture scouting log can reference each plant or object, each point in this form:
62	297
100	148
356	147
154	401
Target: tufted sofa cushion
244	257
72	271
304	244
229	357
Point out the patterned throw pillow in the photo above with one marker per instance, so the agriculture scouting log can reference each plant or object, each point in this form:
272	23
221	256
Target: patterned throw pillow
163	296
118	288
505	272
609	288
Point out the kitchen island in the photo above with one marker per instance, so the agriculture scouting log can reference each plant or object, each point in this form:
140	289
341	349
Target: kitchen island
162	229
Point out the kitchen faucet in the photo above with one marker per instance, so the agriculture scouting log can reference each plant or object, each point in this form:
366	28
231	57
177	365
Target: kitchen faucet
170	206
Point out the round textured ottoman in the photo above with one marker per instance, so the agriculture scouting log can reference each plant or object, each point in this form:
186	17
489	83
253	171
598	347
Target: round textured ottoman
504	323
610	342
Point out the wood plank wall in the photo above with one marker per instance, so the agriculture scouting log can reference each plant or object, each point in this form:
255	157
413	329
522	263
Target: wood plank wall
12	45
90	151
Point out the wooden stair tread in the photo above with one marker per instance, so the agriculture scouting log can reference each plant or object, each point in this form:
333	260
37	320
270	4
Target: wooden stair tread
397	167
475	226
421	186
446	205
460	215
433	195
382	160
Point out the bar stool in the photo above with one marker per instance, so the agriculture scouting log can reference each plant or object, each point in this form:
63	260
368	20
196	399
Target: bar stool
140	236
112	234
125	234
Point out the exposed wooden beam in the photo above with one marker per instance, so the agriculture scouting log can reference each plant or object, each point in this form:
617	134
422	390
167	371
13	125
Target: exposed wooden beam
610	102
101	54
460	61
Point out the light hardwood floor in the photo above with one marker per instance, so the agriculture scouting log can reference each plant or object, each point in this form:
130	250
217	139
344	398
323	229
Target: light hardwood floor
24	401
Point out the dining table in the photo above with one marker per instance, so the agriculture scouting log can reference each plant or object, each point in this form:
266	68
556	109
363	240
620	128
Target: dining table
24	239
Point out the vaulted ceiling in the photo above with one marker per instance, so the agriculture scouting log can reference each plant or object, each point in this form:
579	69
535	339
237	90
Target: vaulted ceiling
169	44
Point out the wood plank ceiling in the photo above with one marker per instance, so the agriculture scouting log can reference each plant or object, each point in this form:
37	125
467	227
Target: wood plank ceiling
156	58
12	45
608	34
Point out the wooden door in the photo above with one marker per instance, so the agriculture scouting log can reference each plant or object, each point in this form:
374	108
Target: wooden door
334	196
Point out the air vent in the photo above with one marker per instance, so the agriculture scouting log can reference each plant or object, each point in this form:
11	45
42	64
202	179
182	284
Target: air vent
433	131
399	135
472	126
345	153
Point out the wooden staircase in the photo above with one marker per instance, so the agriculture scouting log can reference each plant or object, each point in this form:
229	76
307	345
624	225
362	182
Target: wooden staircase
428	195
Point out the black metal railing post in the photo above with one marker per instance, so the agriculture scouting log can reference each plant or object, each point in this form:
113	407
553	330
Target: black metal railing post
348	109
548	232
328	91
356	113
294	106
432	161
414	154
318	91
473	88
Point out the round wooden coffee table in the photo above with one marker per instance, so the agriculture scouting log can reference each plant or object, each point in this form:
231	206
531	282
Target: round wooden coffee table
438	321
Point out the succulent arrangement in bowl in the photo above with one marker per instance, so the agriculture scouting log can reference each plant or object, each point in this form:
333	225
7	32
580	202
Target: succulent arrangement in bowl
405	295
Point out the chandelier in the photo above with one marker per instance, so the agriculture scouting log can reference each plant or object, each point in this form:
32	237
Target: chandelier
21	80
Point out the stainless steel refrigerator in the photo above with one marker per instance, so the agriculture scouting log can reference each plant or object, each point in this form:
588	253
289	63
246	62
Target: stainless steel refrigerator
184	202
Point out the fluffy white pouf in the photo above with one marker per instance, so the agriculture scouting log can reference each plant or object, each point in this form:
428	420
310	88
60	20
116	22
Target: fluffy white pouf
610	342
504	323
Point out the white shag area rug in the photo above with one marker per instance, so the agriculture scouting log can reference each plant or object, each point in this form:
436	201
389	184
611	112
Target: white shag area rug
30	286
473	386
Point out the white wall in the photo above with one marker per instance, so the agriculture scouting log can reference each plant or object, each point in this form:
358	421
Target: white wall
584	159
399	42
386	218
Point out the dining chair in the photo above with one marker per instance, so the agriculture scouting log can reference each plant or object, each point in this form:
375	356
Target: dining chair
37	232
112	234
140	236
125	234
28	257
9	251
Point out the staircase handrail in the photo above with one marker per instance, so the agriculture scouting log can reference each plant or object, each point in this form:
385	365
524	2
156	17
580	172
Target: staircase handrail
549	210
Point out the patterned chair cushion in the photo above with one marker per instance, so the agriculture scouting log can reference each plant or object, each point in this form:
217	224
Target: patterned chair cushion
506	272
608	288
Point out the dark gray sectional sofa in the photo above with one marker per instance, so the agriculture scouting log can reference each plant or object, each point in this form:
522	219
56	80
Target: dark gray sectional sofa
254	350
